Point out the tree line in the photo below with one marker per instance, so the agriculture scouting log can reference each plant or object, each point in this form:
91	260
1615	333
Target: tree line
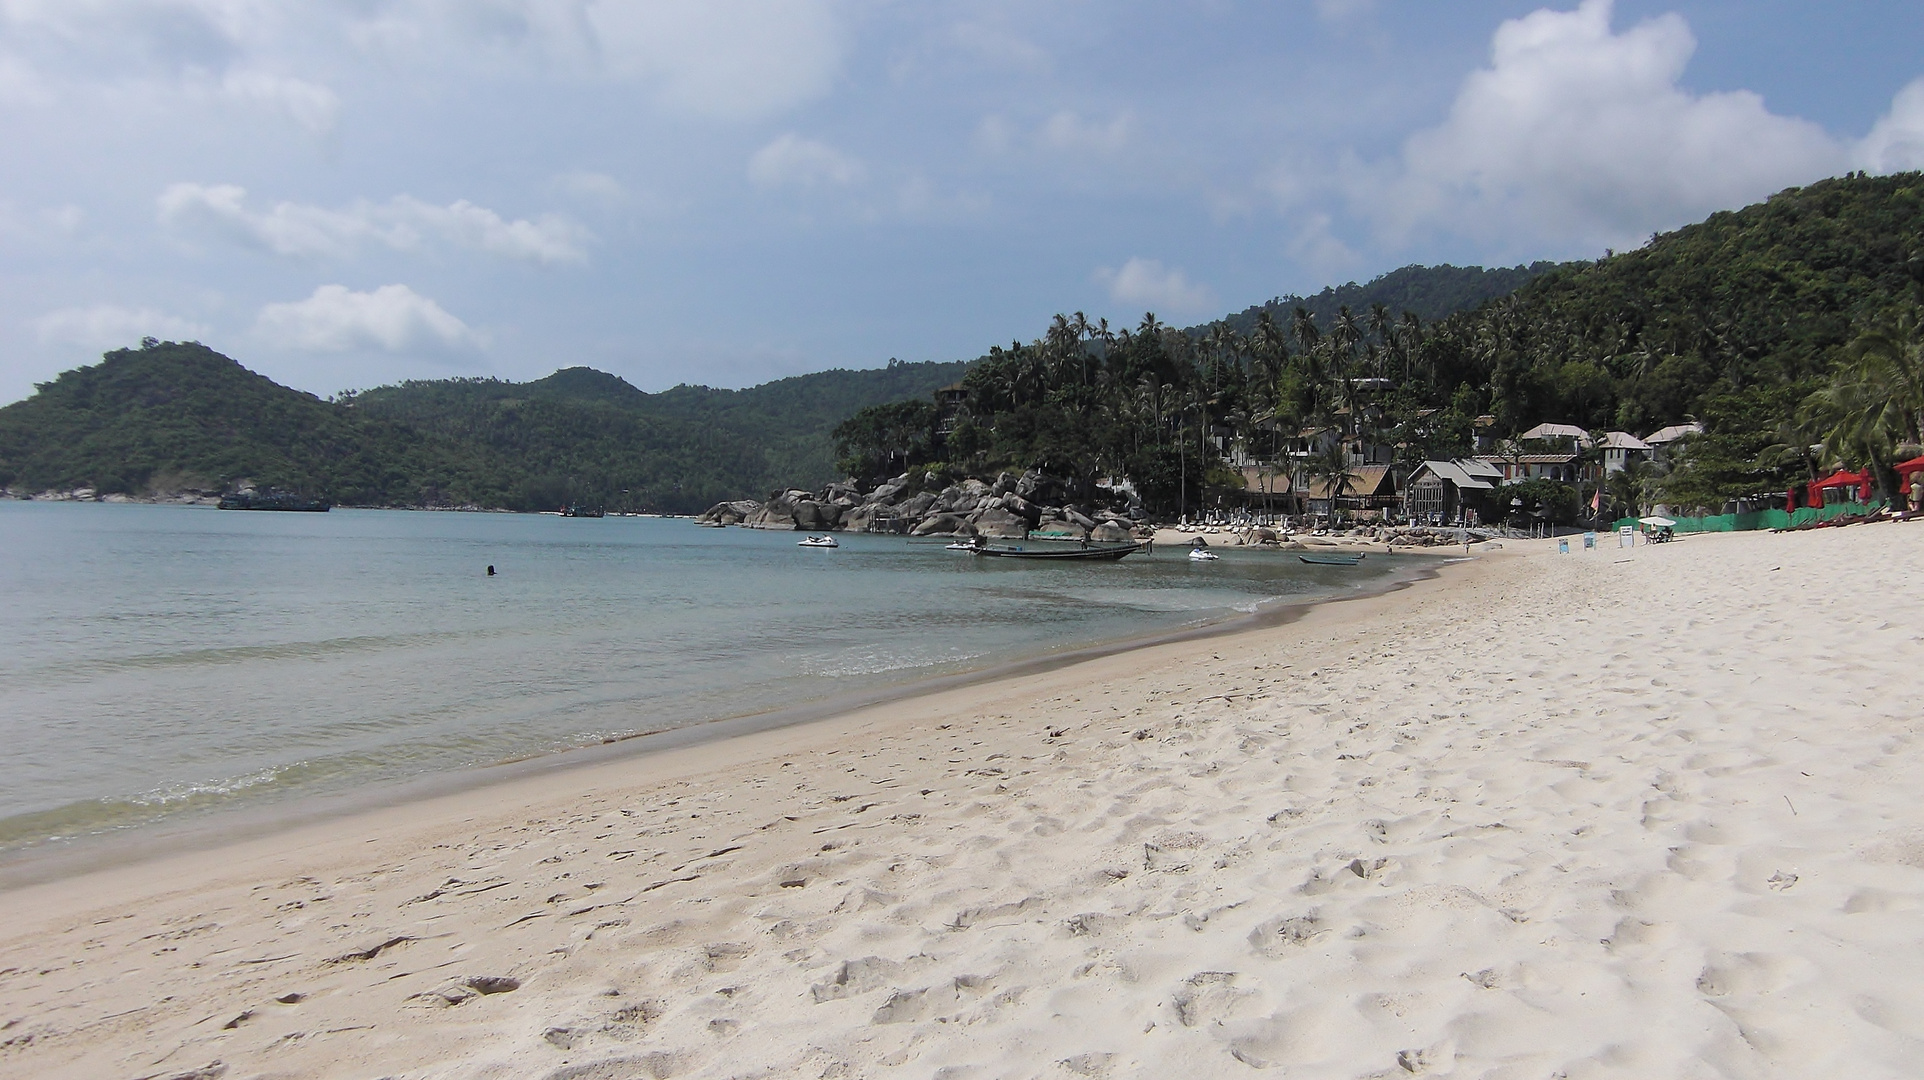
1791	330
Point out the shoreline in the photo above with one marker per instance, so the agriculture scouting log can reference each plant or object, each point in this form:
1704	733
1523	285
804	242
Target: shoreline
59	858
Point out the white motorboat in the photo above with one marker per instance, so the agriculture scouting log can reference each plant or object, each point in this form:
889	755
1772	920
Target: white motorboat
1203	555
818	541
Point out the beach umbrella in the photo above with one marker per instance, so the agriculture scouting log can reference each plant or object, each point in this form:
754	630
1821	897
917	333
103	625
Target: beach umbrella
1657	522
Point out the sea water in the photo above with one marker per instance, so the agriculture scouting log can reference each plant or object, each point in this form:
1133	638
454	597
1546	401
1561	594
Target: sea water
162	661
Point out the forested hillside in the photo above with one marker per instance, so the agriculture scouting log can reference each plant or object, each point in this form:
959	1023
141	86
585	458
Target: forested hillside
1429	292
168	417
1786	324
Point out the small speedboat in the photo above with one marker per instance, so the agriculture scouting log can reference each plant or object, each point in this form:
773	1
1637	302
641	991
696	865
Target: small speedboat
818	541
1346	558
961	545
1203	555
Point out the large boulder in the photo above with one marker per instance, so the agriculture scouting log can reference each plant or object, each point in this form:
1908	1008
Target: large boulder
1038	486
1060	529
811	515
728	513
1110	532
1022	508
997	523
886	493
918	505
772	515
939	525
960	498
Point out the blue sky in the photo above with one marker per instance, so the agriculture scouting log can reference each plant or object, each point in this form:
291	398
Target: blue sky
341	193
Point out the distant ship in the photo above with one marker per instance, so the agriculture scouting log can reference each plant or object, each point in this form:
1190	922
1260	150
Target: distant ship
582	511
273	500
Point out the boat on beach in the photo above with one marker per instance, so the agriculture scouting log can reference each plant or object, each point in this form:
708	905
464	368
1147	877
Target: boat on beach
1334	558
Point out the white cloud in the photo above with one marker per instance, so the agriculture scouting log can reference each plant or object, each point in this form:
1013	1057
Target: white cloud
311	105
1338	11
194	48
336	319
1147	282
1064	132
587	184
1896	143
107	326
403	224
1069	133
1579	134
998	46
733	59
794	161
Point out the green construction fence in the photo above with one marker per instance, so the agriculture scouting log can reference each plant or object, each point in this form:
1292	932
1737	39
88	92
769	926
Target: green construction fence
1763	519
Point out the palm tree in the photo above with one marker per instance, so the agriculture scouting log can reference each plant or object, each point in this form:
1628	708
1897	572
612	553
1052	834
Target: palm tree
1890	356
1331	466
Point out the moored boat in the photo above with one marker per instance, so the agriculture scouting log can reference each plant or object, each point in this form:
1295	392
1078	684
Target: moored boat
1084	554
818	542
1346	558
273	500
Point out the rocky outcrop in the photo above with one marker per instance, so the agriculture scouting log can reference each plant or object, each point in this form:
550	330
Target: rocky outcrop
728	513
1009	507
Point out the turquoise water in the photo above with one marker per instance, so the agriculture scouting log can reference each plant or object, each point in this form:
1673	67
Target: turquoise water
157	661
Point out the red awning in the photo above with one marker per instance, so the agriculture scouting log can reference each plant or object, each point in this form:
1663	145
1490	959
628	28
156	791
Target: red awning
1842	478
1906	468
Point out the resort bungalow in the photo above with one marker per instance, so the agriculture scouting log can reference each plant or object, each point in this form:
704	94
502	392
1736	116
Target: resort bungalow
1622	449
1664	442
1367	492
1451	491
1545	452
1267	489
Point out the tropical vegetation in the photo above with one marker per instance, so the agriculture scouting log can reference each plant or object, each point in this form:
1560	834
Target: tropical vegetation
1788	329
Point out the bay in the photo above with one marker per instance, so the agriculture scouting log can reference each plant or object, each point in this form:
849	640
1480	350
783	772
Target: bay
158	661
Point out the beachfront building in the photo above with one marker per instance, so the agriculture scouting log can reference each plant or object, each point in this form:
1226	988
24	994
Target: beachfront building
1557	452
1368	493
1665	442
1268	489
1450	492
1621	450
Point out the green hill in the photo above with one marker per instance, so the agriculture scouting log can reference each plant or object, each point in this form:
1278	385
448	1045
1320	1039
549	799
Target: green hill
1430	292
172	416
168	416
584	435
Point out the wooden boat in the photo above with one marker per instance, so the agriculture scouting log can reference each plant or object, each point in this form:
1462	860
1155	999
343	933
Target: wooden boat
273	500
1085	554
1347	558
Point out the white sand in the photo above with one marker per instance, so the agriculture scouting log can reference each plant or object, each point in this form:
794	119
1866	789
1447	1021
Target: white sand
1634	814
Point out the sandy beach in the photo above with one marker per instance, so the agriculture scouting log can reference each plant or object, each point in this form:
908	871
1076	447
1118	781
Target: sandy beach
1648	813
